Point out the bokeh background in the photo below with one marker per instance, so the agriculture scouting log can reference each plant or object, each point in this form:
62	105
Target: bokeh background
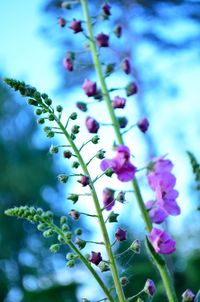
162	38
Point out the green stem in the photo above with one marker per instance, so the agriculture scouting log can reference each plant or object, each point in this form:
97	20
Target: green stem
162	269
85	261
113	266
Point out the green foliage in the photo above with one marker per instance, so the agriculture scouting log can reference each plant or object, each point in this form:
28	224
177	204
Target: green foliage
196	169
26	170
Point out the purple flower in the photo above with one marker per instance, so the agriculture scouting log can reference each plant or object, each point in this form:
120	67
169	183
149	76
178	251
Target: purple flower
76	26
106	9
95	258
143	124
74	214
120	164
61	22
149	287
126	66
108	198
92	125
131	89
118	31
156	213
188	296
68	64
120	235
161	241
84	180
118	102
90	88
102	40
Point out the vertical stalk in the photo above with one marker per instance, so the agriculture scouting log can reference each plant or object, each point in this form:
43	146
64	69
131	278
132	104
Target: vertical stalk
111	258
162	268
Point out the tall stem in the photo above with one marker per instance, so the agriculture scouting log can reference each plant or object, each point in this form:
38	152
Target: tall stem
85	261
111	258
162	268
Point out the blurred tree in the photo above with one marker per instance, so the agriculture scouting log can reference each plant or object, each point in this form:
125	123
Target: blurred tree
26	171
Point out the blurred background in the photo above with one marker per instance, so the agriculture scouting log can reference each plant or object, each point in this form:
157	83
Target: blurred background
162	39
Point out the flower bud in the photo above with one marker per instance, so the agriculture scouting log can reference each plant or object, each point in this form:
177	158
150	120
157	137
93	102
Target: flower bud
73	116
109	172
76	26
106	9
74	214
51	117
65	227
120	235
143	124
66	5
68	235
95	139
113	217
61	22
92	125
131	89
124	281
90	88
135	246
80	243
85	300
75	164
70	263
70	256
118	102
149	287
121	197
95	258
73	197
104	267
123	121
102	40
100	154
50	134
78	232
67	154
38	111
59	108
68	64
75	129
63	178
32	102
108	198
48	233
109	68
118	31
84	181
188	296
41	120
126	66
63	220
48	101
53	150
82	106
54	248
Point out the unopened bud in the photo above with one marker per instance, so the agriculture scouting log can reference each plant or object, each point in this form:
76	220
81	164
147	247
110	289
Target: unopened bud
109	172
100	154
73	197
149	287
82	106
73	116
135	246
74	214
80	243
70	263
75	129
63	178
53	150
95	139
54	248
67	154
84	180
124	281
104	267
188	296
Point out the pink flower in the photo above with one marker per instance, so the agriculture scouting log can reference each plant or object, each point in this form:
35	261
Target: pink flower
90	88
120	164
95	258
108	198
161	241
76	26
61	22
143	124
68	64
149	287
118	102
102	40
120	235
126	66
92	125
156	213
